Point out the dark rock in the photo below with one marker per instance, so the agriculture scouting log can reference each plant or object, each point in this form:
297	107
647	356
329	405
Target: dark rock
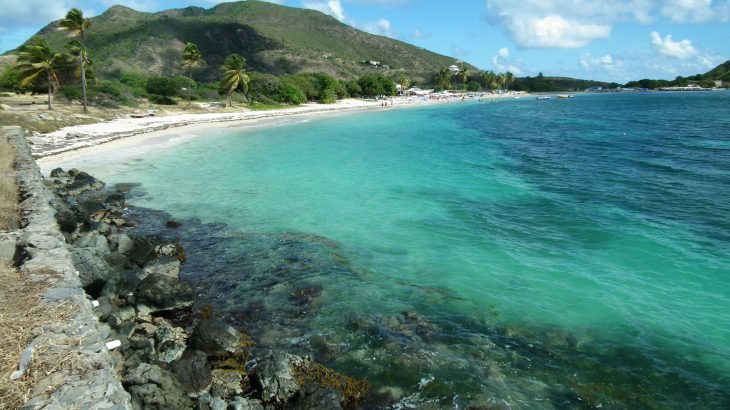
143	251
67	221
82	182
172	224
58	173
115	200
164	293
193	370
315	396
218	338
154	388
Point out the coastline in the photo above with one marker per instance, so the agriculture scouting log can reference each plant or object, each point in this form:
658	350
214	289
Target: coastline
105	139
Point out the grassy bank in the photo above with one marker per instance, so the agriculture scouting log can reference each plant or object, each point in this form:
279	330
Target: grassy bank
9	210
26	309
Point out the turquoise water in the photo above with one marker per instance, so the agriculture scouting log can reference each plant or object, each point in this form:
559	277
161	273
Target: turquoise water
523	253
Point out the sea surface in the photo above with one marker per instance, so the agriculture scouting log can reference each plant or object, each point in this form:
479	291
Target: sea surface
504	254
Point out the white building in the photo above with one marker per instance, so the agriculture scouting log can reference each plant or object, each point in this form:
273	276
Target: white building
454	69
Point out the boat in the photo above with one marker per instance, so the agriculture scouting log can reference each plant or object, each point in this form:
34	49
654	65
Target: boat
543	98
565	96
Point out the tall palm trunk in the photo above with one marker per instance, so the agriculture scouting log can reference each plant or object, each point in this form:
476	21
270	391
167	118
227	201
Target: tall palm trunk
82	57
50	87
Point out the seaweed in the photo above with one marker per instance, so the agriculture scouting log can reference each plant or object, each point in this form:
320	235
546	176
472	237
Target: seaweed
353	390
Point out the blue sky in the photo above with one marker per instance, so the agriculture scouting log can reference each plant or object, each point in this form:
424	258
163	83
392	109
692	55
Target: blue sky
610	40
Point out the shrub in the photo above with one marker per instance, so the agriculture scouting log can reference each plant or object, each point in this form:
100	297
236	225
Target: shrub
108	87
71	92
161	86
133	80
353	89
161	99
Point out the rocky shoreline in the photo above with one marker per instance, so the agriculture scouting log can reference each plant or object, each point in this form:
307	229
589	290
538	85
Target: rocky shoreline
172	353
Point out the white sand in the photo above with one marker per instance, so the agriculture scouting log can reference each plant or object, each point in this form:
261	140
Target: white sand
93	144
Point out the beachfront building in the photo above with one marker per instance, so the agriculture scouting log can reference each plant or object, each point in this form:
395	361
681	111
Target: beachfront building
417	91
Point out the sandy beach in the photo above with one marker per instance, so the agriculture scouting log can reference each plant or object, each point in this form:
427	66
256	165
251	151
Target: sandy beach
94	143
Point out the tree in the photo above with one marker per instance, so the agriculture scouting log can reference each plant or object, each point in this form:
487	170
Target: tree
192	59
376	85
403	82
443	78
490	79
464	75
77	25
509	78
37	60
234	76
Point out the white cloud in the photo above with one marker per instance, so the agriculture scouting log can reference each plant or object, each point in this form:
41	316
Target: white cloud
696	11
555	31
678	49
683	50
381	27
607	62
564	23
502	62
332	7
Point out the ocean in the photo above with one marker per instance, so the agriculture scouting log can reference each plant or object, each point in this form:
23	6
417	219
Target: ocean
518	253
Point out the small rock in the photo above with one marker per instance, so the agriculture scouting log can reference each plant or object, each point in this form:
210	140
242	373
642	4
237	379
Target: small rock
121	243
240	403
226	383
123	315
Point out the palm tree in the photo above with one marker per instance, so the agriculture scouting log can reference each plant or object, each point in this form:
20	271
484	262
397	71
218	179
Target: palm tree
36	60
234	76
501	80
443	78
191	59
509	78
489	78
464	75
77	25
403	82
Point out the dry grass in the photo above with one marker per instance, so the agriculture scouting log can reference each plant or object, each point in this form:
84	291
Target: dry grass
9	208
24	308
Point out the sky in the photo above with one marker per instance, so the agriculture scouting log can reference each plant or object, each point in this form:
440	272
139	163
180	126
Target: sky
605	40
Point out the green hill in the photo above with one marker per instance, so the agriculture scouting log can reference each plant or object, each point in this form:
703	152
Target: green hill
541	83
273	39
721	72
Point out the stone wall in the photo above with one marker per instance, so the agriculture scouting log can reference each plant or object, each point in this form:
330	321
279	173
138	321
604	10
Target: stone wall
92	382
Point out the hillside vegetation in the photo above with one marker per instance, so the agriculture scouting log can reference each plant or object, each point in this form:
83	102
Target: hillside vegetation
273	39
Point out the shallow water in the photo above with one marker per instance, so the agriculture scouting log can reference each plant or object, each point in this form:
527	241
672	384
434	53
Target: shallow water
533	254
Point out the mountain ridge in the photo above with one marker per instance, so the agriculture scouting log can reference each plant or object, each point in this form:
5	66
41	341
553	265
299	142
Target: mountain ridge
273	38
